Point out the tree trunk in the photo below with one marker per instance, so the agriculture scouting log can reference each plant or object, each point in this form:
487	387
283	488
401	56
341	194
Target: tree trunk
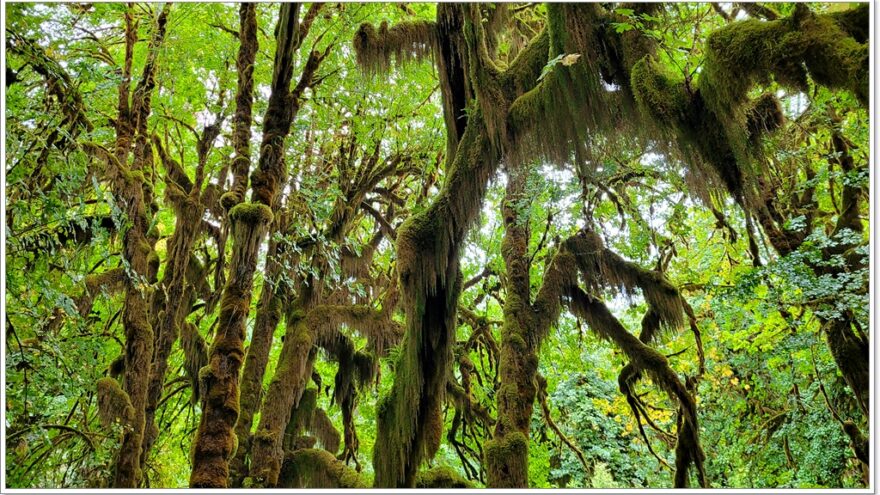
507	452
215	439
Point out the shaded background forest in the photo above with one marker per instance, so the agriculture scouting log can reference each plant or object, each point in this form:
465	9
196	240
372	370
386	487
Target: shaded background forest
346	245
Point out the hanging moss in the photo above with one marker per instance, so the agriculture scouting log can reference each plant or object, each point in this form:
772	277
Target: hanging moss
600	320
195	352
114	404
441	477
428	245
402	43
564	114
323	429
764	116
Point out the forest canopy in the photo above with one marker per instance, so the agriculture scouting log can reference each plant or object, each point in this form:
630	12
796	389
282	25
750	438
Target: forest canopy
344	245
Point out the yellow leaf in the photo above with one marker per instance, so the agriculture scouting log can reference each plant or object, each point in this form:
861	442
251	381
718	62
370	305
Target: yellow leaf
570	59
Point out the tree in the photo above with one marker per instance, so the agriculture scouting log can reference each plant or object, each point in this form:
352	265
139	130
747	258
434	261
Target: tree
453	210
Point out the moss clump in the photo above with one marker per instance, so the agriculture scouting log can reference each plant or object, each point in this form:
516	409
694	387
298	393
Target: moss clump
251	213
229	200
113	403
441	477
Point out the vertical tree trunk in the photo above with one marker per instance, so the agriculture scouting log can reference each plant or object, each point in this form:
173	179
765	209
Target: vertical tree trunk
256	361
507	452
428	244
131	188
215	439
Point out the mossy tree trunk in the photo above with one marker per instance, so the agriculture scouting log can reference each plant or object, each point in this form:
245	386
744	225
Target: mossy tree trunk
133	191
428	245
292	373
507	452
268	316
215	440
186	198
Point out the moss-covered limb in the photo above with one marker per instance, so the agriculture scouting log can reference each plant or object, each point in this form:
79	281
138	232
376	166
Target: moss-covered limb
215	439
428	246
59	84
178	299
606	326
375	325
402	43
129	185
195	352
854	21
317	468
291	376
244	99
271	173
850	352
257	359
441	477
138	355
111	281
858	442
743	54
603	268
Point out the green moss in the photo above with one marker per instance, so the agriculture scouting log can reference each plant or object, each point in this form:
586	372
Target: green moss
317	468
133	177
229	199
747	53
854	21
834	59
251	213
114	403
441	477
657	93
506	458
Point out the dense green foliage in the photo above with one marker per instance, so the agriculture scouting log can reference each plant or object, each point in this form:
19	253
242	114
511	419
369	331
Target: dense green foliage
365	162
